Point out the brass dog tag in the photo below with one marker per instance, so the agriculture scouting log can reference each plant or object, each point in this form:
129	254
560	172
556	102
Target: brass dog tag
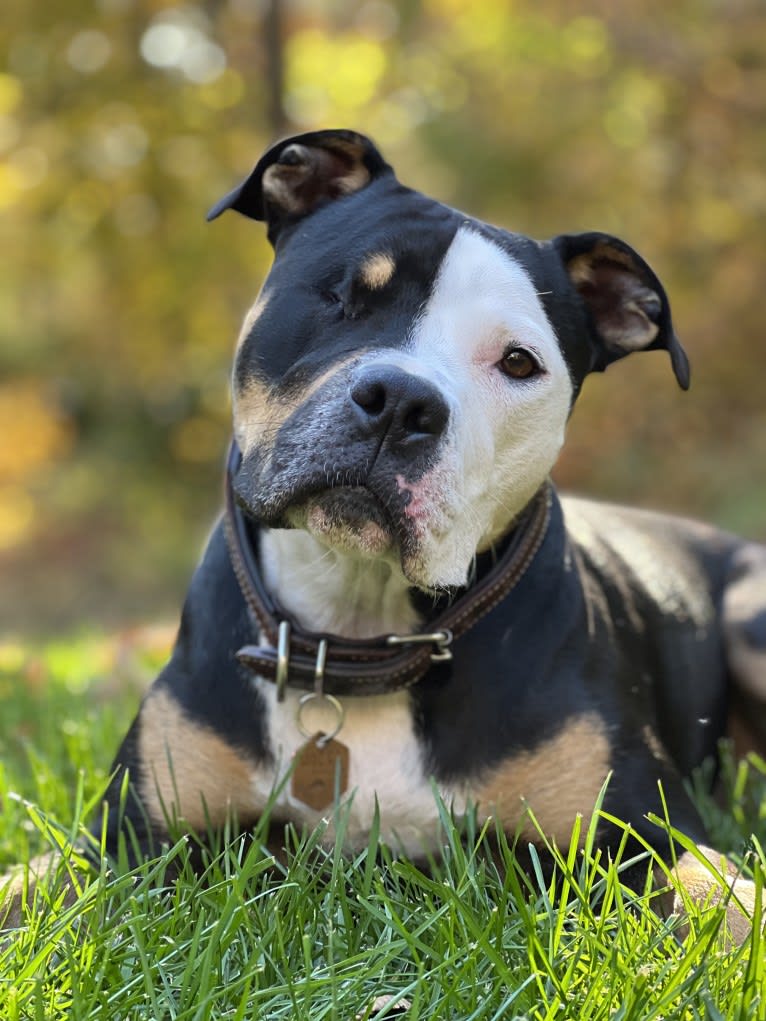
320	771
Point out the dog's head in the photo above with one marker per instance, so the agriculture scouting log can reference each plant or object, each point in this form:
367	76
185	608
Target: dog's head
403	381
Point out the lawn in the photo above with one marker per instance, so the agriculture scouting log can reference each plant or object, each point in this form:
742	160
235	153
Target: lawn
323	934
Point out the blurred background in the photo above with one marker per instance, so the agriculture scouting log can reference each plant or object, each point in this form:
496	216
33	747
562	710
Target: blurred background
122	121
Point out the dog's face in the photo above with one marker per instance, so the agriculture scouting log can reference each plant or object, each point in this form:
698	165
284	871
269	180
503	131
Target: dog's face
403	381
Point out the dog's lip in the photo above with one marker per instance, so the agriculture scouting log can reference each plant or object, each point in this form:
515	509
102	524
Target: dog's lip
273	508
351	505
356	503
349	518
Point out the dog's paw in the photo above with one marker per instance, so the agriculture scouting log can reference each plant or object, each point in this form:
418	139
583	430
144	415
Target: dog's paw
708	884
18	886
13	896
395	1007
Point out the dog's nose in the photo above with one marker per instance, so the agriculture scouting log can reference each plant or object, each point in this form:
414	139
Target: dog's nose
388	401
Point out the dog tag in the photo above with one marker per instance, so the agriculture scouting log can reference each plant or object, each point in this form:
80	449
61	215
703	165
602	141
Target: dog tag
320	770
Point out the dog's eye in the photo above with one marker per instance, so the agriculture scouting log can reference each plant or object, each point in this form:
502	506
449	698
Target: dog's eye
518	363
339	305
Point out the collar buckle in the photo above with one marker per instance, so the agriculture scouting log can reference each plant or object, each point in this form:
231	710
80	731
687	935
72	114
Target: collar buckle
441	640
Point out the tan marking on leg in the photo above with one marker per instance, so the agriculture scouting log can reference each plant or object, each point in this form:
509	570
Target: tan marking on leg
704	888
558	780
376	270
744	602
747	666
188	771
740	730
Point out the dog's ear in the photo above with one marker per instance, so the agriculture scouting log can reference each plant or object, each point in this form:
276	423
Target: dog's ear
299	174
626	304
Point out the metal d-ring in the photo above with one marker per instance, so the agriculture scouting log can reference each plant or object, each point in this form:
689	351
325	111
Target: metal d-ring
319	692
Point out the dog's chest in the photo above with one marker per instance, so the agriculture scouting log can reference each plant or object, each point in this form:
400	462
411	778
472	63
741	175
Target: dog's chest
387	768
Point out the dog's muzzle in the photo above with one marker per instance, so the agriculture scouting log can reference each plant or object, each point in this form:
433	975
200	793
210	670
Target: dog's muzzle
343	464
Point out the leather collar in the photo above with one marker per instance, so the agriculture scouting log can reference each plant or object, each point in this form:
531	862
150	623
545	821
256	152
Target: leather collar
332	665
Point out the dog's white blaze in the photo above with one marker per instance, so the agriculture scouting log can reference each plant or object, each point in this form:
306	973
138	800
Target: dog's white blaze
385	767
505	434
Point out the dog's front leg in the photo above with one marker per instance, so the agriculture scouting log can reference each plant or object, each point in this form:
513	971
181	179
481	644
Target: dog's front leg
706	883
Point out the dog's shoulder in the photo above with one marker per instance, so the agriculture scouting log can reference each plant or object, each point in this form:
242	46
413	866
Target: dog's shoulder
654	548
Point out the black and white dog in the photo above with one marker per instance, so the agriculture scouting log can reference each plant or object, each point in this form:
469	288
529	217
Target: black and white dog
396	598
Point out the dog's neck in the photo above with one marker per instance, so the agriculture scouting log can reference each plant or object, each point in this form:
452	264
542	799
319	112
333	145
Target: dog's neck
328	591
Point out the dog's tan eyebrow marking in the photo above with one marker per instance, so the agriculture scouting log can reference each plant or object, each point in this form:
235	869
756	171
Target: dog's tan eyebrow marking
534	779
377	270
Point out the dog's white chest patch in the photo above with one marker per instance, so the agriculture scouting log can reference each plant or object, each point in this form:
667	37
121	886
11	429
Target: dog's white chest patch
386	768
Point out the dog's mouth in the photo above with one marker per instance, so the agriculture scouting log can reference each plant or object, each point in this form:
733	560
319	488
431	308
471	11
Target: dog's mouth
359	514
347	518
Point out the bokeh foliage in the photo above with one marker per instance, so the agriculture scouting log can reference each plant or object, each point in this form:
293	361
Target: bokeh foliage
122	121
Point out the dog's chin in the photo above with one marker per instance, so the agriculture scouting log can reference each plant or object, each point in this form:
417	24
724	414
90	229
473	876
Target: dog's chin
347	519
351	520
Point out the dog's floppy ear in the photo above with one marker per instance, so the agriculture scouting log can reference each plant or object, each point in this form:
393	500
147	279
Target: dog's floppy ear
299	174
626	304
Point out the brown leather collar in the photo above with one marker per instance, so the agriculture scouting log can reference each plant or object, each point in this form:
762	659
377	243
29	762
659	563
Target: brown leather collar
332	665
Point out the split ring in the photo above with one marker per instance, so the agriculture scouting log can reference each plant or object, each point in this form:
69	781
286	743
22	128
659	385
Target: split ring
331	700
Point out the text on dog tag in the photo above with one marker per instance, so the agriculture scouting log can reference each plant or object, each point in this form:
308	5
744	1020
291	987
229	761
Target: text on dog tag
320	771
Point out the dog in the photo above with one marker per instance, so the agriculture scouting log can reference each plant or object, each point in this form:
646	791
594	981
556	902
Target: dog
396	600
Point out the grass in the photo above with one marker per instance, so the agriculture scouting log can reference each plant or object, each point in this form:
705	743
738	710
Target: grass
323	934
